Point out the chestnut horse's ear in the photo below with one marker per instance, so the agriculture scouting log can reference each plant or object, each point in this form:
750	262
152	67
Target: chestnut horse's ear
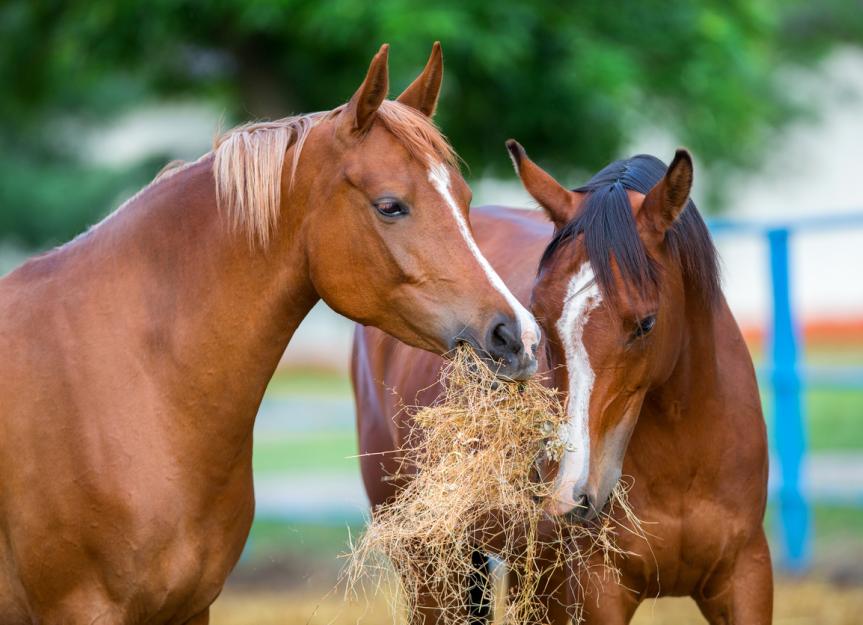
560	204
361	109
422	93
666	200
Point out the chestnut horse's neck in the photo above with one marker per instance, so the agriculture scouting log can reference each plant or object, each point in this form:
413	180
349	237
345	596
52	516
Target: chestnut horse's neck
206	316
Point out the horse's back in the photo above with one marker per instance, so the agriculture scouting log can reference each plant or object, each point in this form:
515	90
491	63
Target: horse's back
389	375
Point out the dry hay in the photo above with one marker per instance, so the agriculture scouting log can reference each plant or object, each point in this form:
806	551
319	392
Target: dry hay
476	487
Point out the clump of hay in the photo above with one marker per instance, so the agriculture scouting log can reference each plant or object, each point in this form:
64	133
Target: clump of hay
476	488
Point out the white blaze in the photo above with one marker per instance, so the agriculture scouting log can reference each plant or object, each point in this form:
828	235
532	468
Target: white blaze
582	296
530	333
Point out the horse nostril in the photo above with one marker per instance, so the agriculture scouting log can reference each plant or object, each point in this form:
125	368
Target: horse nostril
581	511
504	340
504	350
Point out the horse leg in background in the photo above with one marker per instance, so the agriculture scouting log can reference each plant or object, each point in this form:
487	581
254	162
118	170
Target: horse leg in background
480	592
474	608
552	593
426	607
743	595
606	602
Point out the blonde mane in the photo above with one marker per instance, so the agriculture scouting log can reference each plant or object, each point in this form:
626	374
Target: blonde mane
249	161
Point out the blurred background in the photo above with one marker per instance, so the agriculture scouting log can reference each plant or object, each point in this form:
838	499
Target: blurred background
96	96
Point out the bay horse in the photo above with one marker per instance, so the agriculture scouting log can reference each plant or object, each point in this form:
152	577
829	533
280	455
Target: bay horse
134	358
622	276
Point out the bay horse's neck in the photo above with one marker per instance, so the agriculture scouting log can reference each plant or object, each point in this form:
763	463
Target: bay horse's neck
210	315
695	374
686	417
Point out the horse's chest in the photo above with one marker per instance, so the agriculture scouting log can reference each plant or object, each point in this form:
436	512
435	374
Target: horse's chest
158	558
682	545
13	606
189	572
201	561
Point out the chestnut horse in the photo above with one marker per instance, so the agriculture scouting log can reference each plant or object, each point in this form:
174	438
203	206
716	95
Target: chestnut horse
659	384
135	357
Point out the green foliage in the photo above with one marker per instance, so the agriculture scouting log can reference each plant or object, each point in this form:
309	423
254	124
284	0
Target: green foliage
572	81
47	202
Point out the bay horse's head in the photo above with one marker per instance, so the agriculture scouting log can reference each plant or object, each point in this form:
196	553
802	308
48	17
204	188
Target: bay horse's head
382	211
629	260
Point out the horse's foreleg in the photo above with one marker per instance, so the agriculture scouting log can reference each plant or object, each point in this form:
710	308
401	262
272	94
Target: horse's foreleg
609	604
427	609
479	590
446	601
745	597
432	601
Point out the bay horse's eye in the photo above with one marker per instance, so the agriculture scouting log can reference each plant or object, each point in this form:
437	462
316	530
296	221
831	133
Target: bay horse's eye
390	207
645	326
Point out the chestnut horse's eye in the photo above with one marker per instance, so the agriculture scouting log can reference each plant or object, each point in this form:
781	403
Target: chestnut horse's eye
390	207
645	326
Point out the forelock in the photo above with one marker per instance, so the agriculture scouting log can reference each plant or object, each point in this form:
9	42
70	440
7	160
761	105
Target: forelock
610	234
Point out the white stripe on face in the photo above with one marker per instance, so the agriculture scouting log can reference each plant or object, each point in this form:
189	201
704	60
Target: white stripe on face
530	333
582	296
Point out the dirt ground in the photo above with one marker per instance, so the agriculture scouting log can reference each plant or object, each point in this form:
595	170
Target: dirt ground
797	603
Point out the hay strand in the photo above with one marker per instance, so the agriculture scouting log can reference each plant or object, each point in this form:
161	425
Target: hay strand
475	454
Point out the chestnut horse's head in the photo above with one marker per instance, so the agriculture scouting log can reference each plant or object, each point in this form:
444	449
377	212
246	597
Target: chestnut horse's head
382	214
630	259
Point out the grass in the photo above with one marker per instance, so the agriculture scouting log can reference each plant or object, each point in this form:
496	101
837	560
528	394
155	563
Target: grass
310	383
332	451
308	540
835	529
837	522
834	423
836	532
834	419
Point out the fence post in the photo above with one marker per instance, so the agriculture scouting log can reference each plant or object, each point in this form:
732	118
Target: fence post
788	424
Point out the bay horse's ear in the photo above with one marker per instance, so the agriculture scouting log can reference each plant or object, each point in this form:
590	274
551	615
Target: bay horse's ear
666	200
560	204
361	109
422	94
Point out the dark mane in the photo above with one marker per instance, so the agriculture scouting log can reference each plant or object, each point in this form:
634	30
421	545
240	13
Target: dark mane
610	231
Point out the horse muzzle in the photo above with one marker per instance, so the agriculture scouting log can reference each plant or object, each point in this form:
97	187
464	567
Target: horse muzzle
508	351
583	503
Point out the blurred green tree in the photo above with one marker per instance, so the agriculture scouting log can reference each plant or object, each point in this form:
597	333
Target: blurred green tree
570	80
